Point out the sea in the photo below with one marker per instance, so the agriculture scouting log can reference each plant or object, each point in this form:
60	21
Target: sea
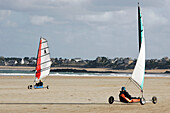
31	73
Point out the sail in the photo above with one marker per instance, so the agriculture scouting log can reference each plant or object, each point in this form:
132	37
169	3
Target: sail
139	70
43	60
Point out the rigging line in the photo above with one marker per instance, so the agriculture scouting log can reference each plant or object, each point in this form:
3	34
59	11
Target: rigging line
34	79
136	84
127	83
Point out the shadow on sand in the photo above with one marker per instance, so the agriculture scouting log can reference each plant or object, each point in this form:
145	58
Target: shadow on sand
60	103
115	103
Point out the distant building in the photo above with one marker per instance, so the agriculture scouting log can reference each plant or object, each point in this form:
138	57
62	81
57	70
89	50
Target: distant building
26	62
128	60
16	62
112	61
32	62
164	60
2	63
98	59
22	61
52	60
77	59
12	62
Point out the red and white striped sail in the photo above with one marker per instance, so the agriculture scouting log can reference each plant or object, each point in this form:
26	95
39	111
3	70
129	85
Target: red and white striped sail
43	60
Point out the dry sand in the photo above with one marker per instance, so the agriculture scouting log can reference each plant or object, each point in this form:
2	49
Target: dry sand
79	95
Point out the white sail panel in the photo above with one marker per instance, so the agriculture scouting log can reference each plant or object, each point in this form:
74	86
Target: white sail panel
139	71
43	60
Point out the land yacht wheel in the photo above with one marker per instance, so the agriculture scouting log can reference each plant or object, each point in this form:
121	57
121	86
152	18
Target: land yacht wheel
29	86
142	101
154	99
47	87
111	99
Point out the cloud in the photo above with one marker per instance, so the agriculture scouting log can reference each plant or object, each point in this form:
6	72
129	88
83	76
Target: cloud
106	17
39	20
102	17
153	18
4	14
11	23
84	25
37	5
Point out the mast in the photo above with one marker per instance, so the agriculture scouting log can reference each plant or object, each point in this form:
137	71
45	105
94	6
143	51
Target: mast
38	62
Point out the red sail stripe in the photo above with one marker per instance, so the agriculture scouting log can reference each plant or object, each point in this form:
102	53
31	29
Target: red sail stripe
38	68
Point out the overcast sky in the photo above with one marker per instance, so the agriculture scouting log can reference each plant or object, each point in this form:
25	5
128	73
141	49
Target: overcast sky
83	28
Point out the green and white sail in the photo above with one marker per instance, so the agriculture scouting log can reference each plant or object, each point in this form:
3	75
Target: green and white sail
139	70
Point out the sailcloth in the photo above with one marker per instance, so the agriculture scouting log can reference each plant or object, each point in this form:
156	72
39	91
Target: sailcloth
139	70
43	60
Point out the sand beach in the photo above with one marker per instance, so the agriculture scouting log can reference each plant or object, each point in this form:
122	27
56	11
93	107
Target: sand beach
79	95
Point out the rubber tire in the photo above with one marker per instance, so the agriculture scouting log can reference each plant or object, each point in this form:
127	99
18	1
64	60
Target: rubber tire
154	99
142	101
111	99
47	87
28	86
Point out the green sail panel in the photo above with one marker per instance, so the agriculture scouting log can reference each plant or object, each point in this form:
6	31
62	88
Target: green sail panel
140	27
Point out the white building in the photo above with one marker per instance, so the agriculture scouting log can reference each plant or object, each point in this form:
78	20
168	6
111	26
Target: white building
22	61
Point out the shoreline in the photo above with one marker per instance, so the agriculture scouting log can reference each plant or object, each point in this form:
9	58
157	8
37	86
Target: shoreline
82	77
85	70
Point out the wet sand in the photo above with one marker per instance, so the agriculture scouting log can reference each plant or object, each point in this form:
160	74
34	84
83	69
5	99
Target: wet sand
80	95
153	71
